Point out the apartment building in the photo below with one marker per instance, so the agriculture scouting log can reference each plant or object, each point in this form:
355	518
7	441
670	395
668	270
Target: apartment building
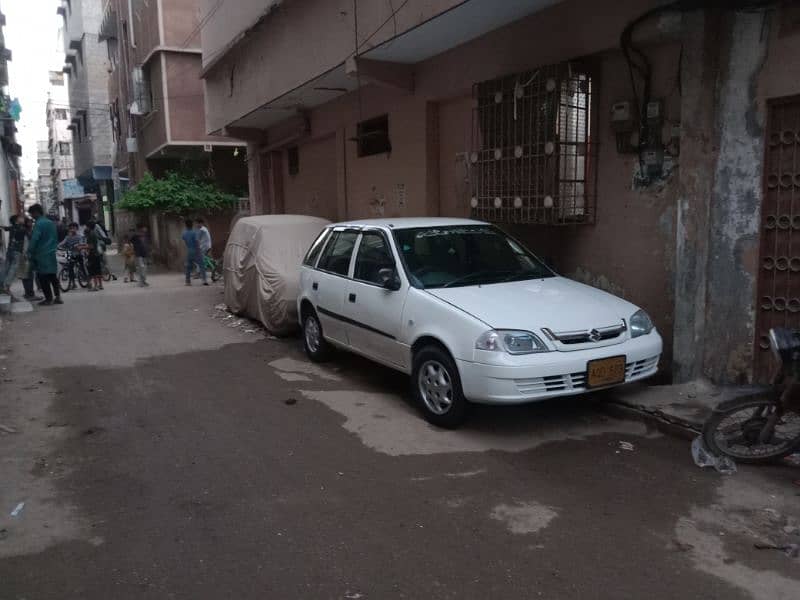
10	151
156	96
595	135
86	64
59	139
47	195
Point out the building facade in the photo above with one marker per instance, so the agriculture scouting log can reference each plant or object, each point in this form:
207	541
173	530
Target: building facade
47	195
30	192
86	64
59	140
156	96
10	151
644	150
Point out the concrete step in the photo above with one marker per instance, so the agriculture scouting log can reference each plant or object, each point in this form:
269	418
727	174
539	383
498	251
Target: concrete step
5	304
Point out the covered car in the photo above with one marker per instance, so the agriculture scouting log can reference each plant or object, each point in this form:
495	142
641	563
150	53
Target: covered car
262	267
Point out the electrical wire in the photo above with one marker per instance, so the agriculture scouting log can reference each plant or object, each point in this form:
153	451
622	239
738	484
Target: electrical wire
212	11
382	25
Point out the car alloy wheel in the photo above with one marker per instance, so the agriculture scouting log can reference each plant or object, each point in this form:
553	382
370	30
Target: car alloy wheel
313	334
435	387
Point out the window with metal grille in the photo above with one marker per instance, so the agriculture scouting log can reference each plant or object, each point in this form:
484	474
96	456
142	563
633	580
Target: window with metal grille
373	136
533	155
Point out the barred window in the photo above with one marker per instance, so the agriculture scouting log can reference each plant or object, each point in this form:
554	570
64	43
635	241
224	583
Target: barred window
533	156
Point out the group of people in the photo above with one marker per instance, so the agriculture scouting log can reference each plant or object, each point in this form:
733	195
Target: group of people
34	240
197	238
31	253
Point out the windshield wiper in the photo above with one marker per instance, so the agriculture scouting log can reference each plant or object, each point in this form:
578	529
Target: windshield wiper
522	275
469	276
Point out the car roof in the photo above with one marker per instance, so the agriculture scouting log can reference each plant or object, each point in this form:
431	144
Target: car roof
409	222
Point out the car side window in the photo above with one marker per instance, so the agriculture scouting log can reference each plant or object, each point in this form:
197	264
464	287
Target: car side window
336	256
316	248
373	255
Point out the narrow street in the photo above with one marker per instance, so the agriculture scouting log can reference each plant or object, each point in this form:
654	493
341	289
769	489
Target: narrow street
160	453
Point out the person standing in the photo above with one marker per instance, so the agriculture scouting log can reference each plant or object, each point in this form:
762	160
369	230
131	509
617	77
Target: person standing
193	254
25	271
16	241
129	256
203	240
103	241
72	243
141	250
94	264
42	254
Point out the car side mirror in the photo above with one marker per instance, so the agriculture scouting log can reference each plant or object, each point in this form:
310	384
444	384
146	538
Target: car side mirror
389	279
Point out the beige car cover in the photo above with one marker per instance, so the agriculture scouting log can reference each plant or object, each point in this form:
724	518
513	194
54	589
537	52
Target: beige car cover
262	267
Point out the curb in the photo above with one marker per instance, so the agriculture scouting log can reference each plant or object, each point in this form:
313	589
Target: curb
664	423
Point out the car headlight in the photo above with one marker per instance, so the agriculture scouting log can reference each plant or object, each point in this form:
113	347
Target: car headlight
641	324
513	342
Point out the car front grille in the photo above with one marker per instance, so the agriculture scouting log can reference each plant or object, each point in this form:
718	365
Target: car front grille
589	336
577	381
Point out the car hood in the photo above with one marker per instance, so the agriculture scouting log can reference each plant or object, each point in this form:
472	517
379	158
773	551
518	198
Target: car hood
556	303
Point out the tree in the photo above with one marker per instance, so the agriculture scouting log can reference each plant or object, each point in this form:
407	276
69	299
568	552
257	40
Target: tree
176	194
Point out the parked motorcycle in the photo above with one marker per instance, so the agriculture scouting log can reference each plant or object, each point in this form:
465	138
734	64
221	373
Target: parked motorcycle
765	426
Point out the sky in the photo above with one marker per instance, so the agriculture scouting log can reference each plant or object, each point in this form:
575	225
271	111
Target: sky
31	34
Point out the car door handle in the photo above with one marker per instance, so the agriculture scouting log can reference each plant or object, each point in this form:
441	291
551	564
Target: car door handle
352	297
315	286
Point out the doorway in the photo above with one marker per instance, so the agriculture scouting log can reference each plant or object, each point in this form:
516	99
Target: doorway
778	301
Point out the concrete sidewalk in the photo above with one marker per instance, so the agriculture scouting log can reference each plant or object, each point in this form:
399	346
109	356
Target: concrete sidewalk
677	409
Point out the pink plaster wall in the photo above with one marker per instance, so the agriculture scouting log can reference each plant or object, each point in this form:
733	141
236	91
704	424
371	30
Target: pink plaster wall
185	91
313	191
153	127
299	41
145	27
181	18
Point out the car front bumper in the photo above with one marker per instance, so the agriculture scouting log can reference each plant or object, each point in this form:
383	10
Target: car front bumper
554	374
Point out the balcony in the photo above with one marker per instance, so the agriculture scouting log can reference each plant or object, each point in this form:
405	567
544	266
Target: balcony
108	26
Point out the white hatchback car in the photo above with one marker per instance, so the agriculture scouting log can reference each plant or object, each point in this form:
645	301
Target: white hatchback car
469	312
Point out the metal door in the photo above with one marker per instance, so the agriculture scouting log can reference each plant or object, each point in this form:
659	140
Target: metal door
778	302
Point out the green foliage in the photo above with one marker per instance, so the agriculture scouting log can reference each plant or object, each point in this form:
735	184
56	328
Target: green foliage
176	194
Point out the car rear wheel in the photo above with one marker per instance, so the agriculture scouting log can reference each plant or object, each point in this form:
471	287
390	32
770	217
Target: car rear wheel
436	386
317	348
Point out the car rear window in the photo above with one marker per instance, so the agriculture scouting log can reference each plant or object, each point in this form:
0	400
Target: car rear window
316	248
336	256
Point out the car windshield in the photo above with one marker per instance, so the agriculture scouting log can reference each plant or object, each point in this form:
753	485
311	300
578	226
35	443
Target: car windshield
464	255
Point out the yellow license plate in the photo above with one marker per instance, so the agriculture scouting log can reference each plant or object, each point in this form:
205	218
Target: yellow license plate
605	371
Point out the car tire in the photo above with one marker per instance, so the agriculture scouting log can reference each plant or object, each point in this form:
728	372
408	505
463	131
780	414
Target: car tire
436	387
317	348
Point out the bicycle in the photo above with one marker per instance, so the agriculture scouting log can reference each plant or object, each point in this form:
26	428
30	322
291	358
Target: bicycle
81	275
213	266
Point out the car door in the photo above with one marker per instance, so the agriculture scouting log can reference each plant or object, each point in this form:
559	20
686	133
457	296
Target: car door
374	313
329	283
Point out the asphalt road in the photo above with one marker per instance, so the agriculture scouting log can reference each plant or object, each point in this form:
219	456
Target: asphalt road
158	452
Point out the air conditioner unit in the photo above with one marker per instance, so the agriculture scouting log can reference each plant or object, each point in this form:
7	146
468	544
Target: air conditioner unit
141	92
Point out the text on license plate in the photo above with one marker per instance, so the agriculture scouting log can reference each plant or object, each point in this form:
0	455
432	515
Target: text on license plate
605	371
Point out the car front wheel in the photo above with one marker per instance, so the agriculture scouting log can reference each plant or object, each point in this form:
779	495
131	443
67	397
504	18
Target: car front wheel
436	386
317	348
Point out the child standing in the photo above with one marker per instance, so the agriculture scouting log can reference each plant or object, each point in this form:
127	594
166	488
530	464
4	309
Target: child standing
130	259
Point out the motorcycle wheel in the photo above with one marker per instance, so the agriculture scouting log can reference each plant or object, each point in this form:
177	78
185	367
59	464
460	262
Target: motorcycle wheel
736	428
